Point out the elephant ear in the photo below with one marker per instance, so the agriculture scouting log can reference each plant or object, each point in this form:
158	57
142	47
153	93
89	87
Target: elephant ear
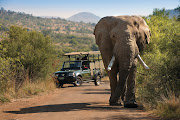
103	28
101	35
97	34
101	31
143	32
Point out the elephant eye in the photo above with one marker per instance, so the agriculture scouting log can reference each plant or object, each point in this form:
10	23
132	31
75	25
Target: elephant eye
145	36
149	32
136	24
113	36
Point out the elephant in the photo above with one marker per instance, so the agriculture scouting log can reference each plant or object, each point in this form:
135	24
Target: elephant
123	37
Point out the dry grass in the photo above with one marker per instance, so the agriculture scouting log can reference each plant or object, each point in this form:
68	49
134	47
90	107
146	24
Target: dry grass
169	108
28	89
35	88
105	78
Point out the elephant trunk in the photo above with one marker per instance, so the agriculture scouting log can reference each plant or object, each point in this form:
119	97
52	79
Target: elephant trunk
125	51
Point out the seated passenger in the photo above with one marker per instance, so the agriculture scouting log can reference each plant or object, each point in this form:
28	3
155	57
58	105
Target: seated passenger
84	67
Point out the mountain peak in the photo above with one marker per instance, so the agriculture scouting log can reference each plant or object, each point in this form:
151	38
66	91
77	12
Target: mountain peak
86	17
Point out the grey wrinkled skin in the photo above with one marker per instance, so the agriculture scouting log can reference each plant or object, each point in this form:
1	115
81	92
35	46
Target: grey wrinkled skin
124	37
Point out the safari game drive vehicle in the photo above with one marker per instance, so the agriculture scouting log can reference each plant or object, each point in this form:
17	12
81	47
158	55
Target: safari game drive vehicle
86	67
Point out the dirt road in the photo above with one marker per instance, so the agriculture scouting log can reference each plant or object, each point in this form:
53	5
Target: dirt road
87	102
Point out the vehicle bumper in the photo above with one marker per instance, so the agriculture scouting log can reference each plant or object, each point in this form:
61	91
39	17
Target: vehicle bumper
66	80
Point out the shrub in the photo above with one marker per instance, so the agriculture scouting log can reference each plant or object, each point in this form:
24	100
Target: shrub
24	55
163	57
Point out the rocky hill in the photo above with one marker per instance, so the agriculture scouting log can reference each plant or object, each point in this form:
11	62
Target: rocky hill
56	25
86	17
67	35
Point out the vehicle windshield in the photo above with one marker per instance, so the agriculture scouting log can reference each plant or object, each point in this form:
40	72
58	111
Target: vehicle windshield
72	65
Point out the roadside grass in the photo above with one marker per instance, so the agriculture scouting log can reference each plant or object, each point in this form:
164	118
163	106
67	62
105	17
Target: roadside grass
169	108
28	89
105	78
36	88
4	99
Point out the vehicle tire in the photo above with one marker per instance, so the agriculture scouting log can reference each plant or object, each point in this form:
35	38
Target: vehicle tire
97	80
78	81
59	85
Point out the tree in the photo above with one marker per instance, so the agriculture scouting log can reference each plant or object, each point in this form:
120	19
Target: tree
94	47
33	50
178	9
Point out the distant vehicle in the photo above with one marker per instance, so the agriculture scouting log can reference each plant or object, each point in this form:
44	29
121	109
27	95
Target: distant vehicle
86	67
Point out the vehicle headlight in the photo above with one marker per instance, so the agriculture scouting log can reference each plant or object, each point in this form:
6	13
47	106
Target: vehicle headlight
56	75
72	74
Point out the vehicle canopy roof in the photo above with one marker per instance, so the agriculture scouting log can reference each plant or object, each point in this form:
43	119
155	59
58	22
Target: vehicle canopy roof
83	53
90	56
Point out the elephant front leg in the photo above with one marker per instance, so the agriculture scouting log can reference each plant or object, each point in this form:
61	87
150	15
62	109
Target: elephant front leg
130	93
113	82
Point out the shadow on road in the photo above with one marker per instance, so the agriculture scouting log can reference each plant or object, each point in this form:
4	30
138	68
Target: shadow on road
125	114
97	90
97	93
62	108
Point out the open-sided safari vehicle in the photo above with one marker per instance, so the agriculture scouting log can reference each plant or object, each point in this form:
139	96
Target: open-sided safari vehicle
85	67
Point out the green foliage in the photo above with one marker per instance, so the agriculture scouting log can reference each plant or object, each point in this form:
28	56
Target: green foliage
70	43
94	47
24	55
34	51
46	32
178	9
160	12
5	69
163	57
5	74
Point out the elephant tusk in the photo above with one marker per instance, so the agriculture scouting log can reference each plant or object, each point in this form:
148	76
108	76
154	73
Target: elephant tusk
138	57
111	63
142	62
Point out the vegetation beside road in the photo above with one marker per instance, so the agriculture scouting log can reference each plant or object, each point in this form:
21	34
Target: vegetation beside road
25	57
159	87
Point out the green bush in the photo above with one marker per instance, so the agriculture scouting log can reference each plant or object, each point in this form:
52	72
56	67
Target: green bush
24	55
163	57
34	51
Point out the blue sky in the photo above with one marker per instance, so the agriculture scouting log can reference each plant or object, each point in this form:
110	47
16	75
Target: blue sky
67	8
